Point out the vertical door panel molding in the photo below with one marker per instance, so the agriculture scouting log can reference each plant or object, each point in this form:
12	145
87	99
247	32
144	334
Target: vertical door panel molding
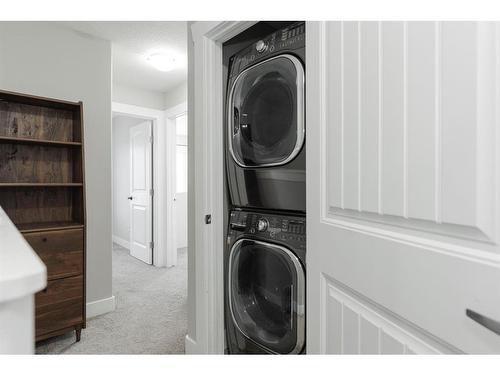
333	135
351	119
369	116
409	125
421	114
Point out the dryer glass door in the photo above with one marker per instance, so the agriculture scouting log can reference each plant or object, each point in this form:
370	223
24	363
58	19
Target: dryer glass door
267	295
266	113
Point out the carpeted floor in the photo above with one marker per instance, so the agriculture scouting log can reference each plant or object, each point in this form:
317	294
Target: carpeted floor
150	315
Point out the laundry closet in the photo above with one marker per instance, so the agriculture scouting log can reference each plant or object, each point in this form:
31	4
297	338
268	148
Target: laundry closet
401	134
265	159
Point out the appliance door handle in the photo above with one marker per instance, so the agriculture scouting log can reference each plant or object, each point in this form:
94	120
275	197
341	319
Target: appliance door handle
236	121
492	325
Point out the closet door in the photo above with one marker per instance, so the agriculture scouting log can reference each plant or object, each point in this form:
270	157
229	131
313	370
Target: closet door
403	187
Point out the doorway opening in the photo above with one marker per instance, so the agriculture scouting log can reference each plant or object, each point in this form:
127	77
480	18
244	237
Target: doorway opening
133	186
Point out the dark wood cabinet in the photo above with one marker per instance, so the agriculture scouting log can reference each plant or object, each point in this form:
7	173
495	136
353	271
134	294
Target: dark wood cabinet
60	250
42	189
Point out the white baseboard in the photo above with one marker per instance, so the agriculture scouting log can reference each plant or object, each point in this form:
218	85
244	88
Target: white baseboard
100	307
120	241
190	346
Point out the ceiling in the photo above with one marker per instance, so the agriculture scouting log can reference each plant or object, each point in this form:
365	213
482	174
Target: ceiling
133	41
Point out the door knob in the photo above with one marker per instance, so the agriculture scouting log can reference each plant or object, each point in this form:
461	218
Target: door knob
486	322
130	198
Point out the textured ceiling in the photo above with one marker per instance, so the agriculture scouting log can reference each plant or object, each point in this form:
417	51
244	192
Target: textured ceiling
133	41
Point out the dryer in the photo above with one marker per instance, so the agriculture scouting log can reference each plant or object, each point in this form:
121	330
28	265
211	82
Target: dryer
265	123
265	283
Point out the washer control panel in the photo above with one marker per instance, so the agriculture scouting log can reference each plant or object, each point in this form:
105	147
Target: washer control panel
281	228
287	39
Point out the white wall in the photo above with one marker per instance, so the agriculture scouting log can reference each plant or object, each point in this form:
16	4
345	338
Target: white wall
138	97
121	176
175	96
46	59
150	99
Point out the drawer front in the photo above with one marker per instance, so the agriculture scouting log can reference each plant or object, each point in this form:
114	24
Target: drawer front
61	251
60	305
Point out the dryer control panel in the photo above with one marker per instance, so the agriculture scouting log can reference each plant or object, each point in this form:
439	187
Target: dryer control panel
290	230
288	39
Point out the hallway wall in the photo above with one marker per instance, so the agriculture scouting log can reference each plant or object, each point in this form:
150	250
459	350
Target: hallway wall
139	97
47	59
176	95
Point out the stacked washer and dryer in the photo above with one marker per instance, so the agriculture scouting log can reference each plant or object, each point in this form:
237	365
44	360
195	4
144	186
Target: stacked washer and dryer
265	257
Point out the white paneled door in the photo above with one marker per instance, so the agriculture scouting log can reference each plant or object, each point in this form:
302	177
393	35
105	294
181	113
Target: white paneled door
141	224
403	168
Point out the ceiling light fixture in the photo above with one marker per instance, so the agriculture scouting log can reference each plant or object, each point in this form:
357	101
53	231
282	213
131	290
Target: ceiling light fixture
162	61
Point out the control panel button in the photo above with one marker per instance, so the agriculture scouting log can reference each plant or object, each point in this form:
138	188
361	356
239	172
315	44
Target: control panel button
262	225
261	46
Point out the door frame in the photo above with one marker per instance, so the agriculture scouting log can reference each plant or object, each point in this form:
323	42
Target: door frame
206	242
206	119
161	210
171	137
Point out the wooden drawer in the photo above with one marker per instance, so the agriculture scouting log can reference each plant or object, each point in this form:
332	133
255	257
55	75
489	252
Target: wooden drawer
60	250
59	306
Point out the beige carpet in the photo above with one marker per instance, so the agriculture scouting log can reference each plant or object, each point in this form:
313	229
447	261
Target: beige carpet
150	315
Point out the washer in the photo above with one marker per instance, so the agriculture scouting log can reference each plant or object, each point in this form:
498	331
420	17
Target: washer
265	123
265	283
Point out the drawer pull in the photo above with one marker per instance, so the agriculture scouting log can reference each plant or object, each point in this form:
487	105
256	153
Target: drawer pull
486	322
44	239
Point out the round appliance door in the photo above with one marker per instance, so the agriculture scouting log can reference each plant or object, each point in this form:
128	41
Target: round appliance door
267	295
266	113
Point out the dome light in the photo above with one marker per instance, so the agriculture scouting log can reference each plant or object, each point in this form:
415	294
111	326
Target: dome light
161	61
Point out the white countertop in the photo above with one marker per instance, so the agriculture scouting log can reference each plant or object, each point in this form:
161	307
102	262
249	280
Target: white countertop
21	270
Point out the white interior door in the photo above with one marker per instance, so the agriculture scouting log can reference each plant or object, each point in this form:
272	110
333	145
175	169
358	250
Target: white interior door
181	223
141	224
403	187
181	180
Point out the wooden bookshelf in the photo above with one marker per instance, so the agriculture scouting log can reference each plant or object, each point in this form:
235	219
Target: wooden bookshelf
33	141
40	184
42	189
49	226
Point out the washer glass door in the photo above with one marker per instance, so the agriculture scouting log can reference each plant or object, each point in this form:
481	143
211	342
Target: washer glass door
266	113
267	295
